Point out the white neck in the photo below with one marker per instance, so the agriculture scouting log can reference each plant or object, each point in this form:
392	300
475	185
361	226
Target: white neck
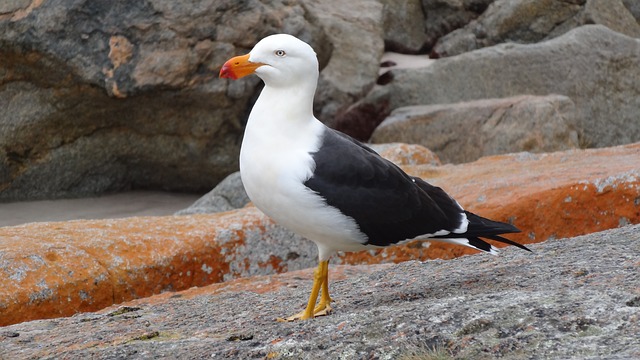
282	120
286	102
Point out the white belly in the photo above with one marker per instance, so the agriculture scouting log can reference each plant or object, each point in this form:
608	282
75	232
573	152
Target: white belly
274	169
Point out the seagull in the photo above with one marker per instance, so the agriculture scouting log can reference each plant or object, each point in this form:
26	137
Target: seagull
327	186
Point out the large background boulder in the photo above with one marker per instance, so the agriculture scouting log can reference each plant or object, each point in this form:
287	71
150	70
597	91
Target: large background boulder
592	65
104	96
101	96
529	21
355	31
466	131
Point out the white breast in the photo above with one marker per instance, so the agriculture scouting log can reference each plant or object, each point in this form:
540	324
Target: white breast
275	161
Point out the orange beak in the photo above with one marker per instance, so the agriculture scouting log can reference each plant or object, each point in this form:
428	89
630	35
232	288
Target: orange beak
238	67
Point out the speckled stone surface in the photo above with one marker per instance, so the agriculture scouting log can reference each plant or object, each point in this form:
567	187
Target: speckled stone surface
60	268
571	298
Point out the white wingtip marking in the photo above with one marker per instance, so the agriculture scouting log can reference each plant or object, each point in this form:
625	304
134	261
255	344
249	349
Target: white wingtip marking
440	233
465	242
464	224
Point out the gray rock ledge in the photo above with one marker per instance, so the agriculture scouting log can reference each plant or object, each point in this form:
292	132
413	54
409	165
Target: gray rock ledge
571	298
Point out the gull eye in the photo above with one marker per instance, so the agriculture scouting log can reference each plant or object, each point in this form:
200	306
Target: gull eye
280	53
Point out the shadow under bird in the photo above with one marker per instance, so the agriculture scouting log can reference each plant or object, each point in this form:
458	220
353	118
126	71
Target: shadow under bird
328	187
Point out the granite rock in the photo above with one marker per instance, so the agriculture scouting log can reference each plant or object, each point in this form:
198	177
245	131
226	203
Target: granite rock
592	65
101	96
467	131
530	21
444	16
570	298
404	26
58	269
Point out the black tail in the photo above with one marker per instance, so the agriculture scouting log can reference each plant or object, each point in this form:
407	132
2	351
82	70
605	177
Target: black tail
482	227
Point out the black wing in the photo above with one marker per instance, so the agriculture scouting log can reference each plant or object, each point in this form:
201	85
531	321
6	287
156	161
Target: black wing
387	204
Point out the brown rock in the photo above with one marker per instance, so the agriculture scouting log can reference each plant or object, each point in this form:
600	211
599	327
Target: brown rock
120	51
126	95
359	122
464	132
161	67
57	269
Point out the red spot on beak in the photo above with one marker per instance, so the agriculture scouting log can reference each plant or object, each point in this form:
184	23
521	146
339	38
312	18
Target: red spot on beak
238	67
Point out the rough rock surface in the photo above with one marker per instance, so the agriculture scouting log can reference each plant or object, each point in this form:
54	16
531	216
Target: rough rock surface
591	65
100	96
57	269
570	298
634	8
464	132
404	23
527	21
354	29
445	16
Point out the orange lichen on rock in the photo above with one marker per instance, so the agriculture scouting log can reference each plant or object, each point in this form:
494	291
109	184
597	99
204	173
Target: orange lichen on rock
57	269
562	194
120	50
407	154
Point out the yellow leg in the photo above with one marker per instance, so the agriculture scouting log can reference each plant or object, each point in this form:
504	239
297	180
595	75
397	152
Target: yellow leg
320	285
323	307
